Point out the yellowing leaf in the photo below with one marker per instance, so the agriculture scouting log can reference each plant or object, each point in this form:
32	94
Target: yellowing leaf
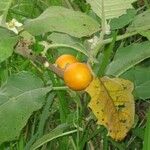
112	103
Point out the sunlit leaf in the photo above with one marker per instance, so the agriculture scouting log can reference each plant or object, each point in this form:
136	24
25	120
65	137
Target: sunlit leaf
63	20
112	103
111	8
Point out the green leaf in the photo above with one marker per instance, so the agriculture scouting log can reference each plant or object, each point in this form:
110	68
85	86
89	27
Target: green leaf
64	20
55	133
146	144
145	34
140	76
7	43
4	7
118	23
74	43
5	33
138	132
141	22
65	39
19	98
127	57
110	8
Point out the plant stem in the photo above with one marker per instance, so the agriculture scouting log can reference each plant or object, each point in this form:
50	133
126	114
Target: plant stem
120	37
78	130
60	88
107	55
100	44
22	48
103	22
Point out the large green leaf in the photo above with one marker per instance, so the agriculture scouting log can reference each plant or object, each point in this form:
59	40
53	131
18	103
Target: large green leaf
7	42
109	9
126	57
23	94
141	22
146	143
66	40
140	76
118	23
64	20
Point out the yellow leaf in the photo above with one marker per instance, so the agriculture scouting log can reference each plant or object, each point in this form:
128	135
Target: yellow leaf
112	103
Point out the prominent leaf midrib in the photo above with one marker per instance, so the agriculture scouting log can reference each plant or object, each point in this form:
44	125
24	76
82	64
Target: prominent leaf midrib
24	93
61	19
111	9
130	64
29	91
135	53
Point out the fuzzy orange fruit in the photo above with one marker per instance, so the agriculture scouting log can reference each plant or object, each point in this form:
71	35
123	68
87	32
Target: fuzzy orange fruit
77	76
64	60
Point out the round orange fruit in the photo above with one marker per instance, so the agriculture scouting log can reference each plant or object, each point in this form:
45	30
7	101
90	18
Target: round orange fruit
77	76
64	60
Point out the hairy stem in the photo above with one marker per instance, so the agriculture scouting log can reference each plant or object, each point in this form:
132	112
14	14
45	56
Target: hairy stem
100	44
22	49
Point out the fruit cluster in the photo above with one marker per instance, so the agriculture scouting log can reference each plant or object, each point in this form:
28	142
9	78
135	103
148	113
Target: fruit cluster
77	75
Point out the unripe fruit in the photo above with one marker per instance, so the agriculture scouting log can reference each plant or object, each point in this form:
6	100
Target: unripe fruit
77	76
64	60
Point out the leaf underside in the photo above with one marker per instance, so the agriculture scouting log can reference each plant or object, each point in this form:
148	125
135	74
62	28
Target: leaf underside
110	8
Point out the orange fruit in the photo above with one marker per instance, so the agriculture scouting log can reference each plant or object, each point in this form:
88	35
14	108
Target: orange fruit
77	76
64	60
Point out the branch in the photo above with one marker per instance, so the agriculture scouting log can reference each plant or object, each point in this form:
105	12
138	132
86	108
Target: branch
100	43
23	49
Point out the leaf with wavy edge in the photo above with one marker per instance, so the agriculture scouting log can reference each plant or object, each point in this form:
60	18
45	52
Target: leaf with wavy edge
111	8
